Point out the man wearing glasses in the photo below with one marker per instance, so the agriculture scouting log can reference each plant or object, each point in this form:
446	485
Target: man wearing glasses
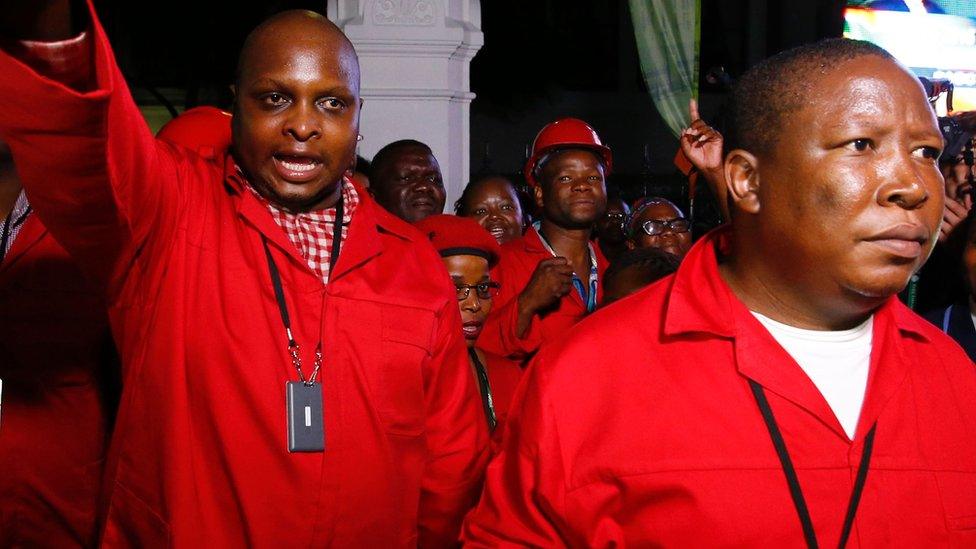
611	228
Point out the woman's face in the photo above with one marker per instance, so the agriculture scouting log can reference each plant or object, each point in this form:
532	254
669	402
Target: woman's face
669	240
495	206
468	271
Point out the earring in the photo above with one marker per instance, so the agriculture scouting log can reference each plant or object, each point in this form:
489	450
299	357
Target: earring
359	137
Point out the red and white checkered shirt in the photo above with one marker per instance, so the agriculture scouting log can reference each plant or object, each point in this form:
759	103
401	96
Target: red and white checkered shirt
311	232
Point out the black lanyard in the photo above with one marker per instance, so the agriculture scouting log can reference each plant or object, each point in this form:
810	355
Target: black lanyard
784	458
8	228
485	388
293	347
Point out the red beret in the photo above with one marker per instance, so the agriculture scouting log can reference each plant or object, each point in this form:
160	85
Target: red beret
204	130
453	235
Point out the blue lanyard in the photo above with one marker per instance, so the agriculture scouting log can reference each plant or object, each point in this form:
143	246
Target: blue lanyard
588	298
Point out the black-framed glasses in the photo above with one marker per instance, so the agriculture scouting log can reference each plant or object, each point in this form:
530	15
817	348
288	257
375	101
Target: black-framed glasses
654	227
484	290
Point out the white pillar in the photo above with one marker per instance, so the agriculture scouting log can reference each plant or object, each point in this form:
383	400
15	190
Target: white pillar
414	57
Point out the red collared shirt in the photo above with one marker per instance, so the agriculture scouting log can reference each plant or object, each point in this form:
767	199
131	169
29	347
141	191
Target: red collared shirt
639	429
200	443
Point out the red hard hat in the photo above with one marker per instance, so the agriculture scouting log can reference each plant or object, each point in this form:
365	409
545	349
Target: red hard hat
205	130
566	133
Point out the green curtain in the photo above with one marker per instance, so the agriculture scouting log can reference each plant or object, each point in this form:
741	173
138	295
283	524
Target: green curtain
667	34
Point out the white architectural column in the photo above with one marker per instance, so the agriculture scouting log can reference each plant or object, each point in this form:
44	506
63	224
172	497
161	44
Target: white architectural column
415	57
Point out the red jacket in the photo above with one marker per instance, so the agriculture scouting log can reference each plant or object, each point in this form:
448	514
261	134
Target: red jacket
503	376
518	261
199	453
58	375
639	429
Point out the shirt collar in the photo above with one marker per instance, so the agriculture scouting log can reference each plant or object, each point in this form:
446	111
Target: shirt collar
537	226
236	182
701	301
20	206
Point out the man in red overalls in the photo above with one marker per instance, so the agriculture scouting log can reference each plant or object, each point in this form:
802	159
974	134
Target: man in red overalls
773	392
551	275
293	367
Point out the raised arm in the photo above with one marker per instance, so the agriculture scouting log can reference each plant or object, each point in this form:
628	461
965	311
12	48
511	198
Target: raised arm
87	159
702	145
513	326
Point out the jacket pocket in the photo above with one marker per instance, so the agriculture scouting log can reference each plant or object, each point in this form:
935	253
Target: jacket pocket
958	491
132	523
406	346
967	522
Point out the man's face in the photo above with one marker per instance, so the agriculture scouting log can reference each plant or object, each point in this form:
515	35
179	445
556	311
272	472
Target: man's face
410	184
572	191
296	118
851	196
495	206
668	225
611	226
969	259
957	179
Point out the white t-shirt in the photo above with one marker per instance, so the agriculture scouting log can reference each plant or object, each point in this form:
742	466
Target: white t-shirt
836	362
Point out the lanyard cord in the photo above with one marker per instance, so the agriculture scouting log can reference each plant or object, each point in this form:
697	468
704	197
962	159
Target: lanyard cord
945	319
485	388
8	228
589	298
279	291
784	458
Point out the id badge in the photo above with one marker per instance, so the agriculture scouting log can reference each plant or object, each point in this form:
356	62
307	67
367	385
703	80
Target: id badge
306	429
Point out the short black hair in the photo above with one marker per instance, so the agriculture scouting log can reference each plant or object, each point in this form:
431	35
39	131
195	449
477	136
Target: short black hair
385	156
473	185
652	263
364	166
779	85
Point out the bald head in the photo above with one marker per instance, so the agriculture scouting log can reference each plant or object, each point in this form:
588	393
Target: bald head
296	110
297	30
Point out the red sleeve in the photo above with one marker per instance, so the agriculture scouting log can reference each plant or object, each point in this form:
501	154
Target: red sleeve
523	501
85	155
499	333
457	436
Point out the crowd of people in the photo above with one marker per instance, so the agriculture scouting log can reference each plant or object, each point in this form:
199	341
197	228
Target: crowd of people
240	333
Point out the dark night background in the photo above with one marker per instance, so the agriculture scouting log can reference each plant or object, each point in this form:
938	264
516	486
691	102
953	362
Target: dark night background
542	59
